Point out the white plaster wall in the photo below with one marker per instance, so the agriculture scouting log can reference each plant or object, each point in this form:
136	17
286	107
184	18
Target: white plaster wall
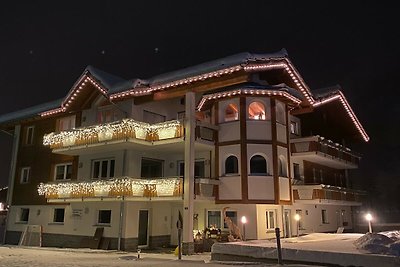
281	133
280	112
261	187
262	231
284	188
312	217
229	131
230	187
282	152
258	130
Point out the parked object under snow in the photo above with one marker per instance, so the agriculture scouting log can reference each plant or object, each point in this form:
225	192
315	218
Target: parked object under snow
380	243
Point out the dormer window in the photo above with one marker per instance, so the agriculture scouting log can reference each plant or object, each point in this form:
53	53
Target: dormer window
257	111
231	113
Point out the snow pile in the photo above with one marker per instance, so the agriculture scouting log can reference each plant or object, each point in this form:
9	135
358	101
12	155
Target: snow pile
380	243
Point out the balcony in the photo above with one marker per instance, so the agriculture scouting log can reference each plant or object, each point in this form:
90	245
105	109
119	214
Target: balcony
129	188
326	194
205	188
319	150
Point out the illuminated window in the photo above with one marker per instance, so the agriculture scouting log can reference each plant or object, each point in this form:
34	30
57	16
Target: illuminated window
25	173
270	219
231	165
257	111
282	167
231	113
63	171
258	165
324	216
294	128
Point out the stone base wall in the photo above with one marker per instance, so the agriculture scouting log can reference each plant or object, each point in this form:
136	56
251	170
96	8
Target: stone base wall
160	241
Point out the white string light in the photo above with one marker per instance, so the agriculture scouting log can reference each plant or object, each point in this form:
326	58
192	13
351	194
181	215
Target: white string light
124	186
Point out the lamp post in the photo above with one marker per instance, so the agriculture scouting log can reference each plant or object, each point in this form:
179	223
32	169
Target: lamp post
297	218
244	221
368	217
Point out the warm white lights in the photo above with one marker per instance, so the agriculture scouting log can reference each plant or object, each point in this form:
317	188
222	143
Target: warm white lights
126	128
368	217
124	186
244	219
297	217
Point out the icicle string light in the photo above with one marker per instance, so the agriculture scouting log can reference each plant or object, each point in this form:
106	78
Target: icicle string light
115	130
124	186
339	95
247	92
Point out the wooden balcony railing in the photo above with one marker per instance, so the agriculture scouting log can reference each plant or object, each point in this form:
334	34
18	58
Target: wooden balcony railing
119	130
325	192
320	144
124	186
205	187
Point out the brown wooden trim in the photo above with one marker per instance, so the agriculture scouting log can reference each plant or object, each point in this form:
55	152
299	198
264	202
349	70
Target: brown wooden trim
216	150
274	151
259	142
243	148
285	202
229	143
251	141
288	153
281	144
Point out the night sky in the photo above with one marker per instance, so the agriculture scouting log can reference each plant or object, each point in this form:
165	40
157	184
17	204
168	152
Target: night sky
45	46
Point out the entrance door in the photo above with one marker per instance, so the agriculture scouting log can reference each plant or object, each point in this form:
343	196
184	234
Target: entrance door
174	219
286	225
143	233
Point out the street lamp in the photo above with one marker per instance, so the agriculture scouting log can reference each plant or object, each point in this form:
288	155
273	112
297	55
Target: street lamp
244	221
297	218
368	217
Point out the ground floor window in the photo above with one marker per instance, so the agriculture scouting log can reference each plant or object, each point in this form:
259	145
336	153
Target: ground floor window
58	216
104	217
23	215
214	219
270	219
324	215
233	216
301	224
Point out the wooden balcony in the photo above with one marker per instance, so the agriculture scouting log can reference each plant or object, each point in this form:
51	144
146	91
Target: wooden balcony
326	194
126	129
130	188
319	150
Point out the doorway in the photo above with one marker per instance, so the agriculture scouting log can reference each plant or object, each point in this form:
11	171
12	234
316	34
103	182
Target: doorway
143	231
286	225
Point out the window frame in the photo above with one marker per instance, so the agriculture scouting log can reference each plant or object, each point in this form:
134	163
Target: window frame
222	221
294	128
29	135
71	120
324	216
98	222
259	173
109	164
28	175
55	216
65	165
21	213
267	220
237	166
235	114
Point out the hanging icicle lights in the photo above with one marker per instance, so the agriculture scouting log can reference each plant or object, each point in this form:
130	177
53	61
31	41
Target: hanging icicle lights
120	127
124	186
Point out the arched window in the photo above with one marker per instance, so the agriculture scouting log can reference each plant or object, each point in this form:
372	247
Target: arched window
231	165
280	113
282	167
258	165
231	113
257	111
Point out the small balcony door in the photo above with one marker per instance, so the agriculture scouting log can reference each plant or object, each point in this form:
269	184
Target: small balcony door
143	231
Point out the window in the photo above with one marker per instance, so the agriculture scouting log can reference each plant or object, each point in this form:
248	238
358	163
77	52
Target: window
321	176
152	117
29	135
231	165
104	217
199	168
270	219
296	171
24	215
231	113
300	212
258	165
103	168
257	111
314	172
324	215
294	128
280	113
108	114
282	167
25	173
63	171
214	218
152	168
58	215
66	123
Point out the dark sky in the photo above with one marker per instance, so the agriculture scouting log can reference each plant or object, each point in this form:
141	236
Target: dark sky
45	46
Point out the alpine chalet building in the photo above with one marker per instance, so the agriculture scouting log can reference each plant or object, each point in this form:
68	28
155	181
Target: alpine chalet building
243	132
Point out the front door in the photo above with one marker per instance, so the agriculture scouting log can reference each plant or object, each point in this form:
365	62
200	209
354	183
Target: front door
143	232
286	218
174	219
